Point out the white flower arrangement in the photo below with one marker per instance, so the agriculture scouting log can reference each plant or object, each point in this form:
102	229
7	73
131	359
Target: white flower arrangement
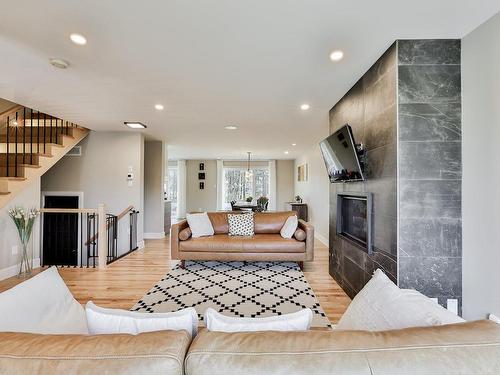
24	221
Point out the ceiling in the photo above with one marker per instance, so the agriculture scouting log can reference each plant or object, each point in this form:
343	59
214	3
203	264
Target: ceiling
210	63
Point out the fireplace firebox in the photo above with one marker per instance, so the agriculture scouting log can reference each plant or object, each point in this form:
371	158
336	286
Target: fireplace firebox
354	219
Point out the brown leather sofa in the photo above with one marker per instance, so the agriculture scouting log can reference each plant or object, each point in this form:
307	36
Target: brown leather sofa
467	348
266	245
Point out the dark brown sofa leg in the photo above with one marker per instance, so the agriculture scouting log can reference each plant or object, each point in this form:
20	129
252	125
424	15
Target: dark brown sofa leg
301	265
182	264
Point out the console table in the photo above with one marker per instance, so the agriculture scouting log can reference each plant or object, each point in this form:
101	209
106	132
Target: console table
300	208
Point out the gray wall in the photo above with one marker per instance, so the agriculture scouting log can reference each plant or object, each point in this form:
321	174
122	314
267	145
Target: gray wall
154	177
430	167
101	174
370	108
481	183
196	199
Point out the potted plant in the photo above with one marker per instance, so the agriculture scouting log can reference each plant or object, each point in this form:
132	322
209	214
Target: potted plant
262	203
24	221
298	199
249	199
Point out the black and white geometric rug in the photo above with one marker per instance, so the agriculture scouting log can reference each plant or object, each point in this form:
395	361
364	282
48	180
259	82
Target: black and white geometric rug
242	289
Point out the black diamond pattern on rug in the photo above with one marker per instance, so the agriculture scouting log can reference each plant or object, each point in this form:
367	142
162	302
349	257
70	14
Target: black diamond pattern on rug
241	289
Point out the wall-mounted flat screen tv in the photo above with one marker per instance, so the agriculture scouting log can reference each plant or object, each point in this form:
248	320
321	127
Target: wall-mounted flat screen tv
341	157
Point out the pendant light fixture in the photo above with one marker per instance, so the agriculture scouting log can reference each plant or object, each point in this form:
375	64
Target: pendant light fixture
248	173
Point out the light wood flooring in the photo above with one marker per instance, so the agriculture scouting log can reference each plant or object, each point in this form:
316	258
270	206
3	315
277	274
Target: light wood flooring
128	279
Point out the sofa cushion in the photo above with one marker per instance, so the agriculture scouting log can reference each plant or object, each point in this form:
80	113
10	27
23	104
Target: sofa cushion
299	235
468	348
185	234
259	243
102	320
42	304
270	222
219	222
381	305
154	353
295	321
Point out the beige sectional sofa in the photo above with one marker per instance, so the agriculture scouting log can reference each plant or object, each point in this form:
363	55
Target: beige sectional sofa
467	348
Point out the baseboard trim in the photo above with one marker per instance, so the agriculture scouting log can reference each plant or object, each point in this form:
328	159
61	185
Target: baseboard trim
321	238
13	270
140	245
154	236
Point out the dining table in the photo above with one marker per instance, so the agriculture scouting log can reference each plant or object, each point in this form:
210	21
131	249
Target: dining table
240	206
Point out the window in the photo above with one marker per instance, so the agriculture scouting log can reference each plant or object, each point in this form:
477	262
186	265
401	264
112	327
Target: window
239	184
172	189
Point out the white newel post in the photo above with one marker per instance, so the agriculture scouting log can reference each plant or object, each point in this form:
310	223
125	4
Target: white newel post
102	239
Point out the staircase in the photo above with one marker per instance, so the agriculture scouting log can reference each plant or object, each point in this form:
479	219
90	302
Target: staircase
31	142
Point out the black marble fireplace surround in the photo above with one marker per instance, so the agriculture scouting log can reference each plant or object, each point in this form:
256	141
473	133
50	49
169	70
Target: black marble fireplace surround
406	109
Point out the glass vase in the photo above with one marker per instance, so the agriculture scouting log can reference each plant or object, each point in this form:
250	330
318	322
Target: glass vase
26	266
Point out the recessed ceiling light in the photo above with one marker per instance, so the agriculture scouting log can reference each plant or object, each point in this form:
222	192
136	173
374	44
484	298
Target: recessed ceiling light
305	106
336	55
286	152
135	125
59	63
159	107
294	144
230	127
78	39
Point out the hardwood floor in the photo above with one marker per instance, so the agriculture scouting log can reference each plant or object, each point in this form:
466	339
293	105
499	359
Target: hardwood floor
128	279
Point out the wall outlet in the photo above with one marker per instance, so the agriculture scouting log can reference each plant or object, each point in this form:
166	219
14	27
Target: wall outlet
15	250
452	305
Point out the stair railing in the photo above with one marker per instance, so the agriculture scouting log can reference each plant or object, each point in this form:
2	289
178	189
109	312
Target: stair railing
27	132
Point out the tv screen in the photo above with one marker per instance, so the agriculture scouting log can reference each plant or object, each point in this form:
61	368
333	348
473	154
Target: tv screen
340	155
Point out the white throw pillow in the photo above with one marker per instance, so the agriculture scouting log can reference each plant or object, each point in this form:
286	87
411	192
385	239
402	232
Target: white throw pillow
200	225
42	304
289	227
298	321
101	320
240	224
381	306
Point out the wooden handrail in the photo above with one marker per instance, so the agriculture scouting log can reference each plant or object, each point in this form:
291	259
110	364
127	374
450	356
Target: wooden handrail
68	210
118	217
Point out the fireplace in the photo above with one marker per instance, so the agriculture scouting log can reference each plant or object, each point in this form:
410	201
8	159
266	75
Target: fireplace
354	219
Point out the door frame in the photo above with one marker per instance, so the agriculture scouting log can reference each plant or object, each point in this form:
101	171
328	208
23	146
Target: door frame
51	193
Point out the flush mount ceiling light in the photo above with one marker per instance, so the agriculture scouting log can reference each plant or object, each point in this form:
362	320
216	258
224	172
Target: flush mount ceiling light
59	63
305	106
230	127
135	125
287	152
294	144
336	55
159	107
78	39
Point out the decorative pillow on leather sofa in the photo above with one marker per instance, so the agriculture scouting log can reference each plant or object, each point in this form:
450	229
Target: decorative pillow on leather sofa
185	234
200	225
300	235
297	321
290	226
382	306
240	224
108	321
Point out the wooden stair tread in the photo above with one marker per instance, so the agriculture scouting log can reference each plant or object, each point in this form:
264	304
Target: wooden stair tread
13	178
4	192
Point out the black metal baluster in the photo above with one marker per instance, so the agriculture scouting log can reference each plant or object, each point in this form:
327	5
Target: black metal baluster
67	128
37	135
81	239
44	131
50	129
88	239
8	140
15	149
24	135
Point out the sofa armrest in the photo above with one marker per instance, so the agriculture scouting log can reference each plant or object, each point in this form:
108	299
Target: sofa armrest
174	238
309	229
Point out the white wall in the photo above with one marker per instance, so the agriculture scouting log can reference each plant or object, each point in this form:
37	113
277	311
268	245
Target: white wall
284	183
154	178
315	191
481	173
28	198
101	174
